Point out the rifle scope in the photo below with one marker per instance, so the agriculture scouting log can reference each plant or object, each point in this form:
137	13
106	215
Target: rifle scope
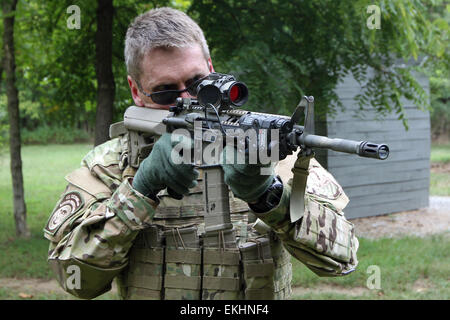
222	91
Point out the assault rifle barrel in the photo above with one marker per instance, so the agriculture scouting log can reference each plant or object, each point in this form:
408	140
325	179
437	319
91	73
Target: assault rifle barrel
362	148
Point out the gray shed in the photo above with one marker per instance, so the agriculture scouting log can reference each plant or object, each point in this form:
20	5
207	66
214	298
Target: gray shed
378	187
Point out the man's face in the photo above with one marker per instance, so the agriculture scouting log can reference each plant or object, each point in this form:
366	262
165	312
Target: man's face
168	69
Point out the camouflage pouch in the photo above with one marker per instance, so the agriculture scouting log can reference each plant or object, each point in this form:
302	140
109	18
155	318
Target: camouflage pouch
282	269
182	280
145	269
281	260
327	232
221	267
258	269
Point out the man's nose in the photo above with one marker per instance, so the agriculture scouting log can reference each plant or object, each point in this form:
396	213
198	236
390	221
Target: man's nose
185	94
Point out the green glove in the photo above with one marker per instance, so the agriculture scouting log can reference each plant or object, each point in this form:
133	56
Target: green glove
245	180
164	167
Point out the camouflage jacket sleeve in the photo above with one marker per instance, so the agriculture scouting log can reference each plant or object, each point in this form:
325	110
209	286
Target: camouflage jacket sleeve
94	223
323	239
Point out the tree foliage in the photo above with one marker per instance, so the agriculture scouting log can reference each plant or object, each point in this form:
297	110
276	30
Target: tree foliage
281	49
56	65
285	49
439	76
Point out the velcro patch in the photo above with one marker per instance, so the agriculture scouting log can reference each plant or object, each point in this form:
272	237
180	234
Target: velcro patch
66	208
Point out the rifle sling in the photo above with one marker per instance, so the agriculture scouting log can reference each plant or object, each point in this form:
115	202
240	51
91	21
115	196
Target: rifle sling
297	201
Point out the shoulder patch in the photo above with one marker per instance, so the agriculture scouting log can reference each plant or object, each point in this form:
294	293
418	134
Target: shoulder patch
70	203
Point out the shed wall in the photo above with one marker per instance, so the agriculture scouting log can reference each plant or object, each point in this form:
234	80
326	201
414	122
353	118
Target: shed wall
378	187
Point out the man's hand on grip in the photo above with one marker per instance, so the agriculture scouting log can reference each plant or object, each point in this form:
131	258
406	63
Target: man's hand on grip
247	181
164	167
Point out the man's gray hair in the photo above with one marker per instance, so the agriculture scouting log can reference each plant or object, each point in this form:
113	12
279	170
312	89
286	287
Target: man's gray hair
160	27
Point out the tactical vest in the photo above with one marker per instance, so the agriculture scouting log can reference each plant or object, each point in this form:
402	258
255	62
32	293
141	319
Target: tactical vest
176	259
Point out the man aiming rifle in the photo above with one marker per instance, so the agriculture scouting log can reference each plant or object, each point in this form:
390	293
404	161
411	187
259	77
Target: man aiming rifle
135	213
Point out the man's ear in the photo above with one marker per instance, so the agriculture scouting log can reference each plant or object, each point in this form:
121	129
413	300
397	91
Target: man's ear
210	65
135	92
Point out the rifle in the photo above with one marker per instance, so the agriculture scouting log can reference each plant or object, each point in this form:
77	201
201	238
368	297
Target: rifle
213	115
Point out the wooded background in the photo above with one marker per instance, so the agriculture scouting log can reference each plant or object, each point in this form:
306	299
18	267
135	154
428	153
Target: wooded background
63	84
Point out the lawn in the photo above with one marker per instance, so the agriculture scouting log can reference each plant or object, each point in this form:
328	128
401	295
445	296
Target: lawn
440	153
411	268
439	178
44	168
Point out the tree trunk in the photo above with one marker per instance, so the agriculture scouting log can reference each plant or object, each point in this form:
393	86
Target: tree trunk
20	210
2	63
105	77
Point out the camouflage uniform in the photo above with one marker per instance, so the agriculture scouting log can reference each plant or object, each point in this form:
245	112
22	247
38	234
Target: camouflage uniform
160	250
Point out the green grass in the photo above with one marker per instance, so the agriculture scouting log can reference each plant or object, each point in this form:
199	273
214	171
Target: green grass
44	168
440	182
53	134
402	263
440	153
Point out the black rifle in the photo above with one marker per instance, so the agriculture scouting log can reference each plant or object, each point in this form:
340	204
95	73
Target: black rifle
214	114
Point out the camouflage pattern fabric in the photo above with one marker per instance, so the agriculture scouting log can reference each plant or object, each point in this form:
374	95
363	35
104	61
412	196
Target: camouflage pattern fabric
221	275
99	220
182	280
281	259
143	278
221	263
258	269
315	260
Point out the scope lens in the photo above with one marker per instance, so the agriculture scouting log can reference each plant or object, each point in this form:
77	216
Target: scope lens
235	93
238	94
209	94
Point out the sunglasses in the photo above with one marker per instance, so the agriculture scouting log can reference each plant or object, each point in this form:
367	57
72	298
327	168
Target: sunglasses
170	96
